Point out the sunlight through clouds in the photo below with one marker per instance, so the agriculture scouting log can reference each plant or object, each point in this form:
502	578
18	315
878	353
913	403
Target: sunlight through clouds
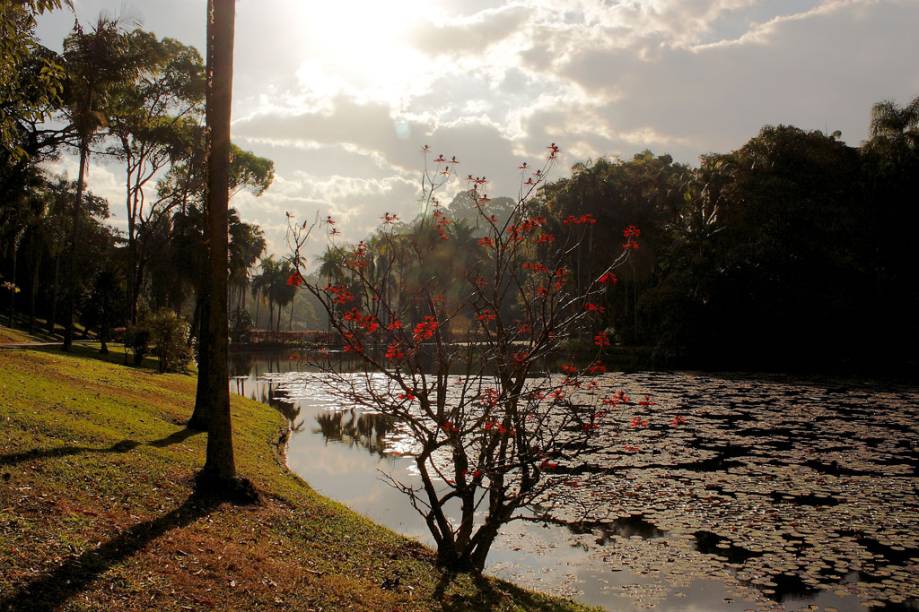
352	89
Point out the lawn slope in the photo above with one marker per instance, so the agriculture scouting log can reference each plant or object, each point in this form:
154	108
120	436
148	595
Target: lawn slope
97	508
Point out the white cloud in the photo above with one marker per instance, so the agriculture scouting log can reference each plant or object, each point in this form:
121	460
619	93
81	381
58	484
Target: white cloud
343	95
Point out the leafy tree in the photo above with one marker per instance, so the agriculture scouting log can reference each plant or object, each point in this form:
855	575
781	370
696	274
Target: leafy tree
153	122
31	80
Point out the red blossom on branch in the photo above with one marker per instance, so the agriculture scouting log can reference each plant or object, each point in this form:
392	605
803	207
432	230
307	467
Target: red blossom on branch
487	315
295	279
630	245
426	329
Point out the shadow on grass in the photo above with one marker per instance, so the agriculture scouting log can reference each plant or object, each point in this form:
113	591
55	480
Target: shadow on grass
117	354
123	446
51	590
486	595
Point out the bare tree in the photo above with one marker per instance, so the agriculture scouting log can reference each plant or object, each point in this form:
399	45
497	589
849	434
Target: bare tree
469	379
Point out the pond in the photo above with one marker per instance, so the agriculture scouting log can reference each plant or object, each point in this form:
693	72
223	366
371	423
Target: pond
774	493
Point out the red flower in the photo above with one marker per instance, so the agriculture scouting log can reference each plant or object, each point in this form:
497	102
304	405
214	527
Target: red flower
449	427
631	232
569	368
520	358
596	368
394	351
646	402
630	245
426	329
410	396
487	242
608	279
602	340
547	465
677	421
394	325
295	279
487	315
591	307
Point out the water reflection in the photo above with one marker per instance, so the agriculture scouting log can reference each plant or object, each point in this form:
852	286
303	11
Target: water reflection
356	429
793	492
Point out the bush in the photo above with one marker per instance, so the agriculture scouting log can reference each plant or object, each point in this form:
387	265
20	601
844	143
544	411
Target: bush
168	335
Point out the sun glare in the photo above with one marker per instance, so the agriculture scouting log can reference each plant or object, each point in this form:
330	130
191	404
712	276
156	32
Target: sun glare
359	47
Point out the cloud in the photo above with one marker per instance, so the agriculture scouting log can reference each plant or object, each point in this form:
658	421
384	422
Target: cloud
494	81
470	35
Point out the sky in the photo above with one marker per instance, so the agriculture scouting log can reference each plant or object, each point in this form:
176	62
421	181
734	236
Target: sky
342	95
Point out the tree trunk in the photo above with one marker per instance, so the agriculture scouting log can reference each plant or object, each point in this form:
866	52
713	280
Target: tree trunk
199	418
33	290
13	280
220	468
74	237
52	316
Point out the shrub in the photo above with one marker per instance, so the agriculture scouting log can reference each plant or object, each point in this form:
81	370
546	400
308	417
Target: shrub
168	335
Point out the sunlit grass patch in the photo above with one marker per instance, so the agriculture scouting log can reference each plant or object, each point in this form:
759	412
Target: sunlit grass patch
97	507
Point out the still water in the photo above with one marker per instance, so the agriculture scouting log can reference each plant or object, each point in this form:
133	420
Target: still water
774	494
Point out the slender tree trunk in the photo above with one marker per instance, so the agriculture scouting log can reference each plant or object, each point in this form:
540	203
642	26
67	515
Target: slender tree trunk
33	289
52	316
258	303
290	323
13	279
280	305
74	245
220	466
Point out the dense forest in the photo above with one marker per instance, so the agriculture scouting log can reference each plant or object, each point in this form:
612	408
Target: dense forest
792	252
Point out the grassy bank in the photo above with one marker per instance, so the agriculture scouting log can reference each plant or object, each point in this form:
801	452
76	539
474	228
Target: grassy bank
97	508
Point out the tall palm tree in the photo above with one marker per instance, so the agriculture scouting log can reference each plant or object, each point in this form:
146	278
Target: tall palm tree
95	62
219	472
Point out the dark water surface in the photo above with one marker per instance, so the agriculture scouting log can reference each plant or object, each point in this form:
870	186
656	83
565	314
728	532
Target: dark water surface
774	494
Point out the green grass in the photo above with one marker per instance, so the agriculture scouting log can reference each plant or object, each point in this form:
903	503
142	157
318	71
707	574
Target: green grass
97	508
15	336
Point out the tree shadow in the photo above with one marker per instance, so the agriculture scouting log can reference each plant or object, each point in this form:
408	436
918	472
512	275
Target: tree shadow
65	451
174	438
123	446
486	595
51	590
116	355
